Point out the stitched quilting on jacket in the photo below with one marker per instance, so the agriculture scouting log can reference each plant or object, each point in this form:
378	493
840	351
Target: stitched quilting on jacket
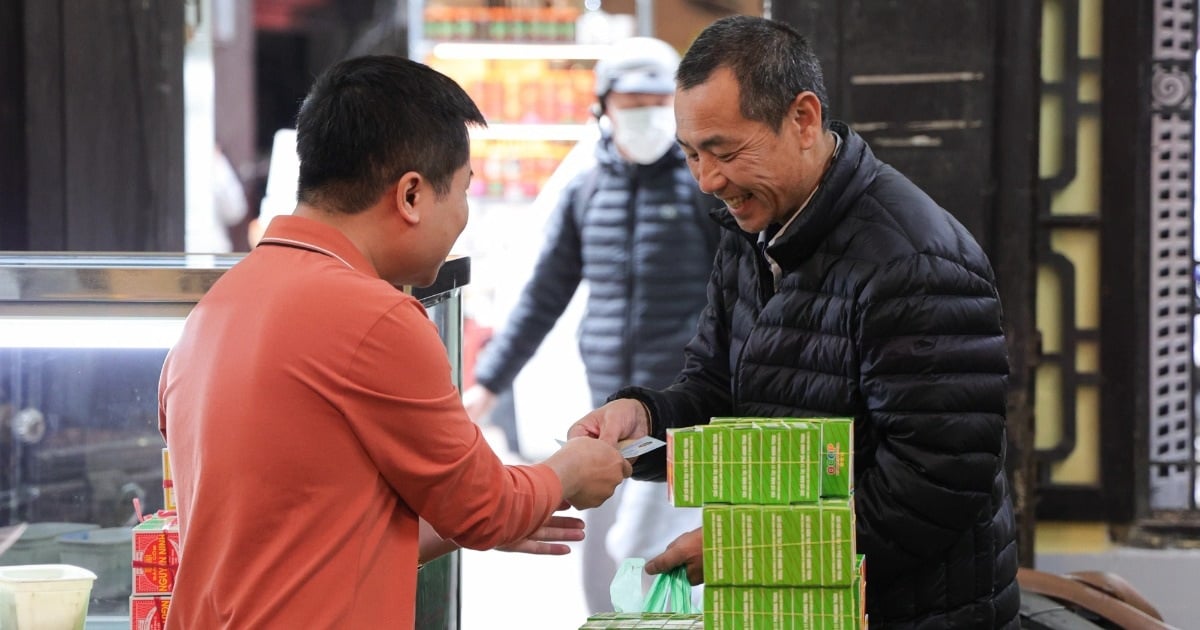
887	312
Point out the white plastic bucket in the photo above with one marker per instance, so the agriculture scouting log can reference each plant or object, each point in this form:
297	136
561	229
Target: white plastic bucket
105	552
39	545
44	596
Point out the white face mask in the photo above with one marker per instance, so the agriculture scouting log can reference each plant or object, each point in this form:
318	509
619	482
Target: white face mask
643	134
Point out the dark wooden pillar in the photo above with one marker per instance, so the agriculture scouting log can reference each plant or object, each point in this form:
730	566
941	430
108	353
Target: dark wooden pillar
97	88
13	172
1130	407
1013	251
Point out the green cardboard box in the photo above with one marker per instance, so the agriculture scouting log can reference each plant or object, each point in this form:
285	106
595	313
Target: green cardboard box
804	462
745	463
837	457
858	591
839	609
774	482
719	544
776	610
777	528
646	620
802	459
748	557
793	542
719	421
808	605
838	549
744	606
717	612
686	468
717	451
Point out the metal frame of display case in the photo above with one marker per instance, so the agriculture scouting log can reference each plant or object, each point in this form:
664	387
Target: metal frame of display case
74	289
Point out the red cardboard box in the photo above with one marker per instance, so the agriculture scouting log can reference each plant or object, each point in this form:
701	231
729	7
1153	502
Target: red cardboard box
155	555
148	613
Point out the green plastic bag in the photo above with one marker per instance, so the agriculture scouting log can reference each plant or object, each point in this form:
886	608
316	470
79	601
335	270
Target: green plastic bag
626	587
669	590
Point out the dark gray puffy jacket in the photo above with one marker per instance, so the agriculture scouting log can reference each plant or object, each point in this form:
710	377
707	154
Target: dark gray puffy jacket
644	243
887	312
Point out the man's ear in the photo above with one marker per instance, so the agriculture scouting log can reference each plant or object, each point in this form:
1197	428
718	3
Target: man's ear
805	113
410	191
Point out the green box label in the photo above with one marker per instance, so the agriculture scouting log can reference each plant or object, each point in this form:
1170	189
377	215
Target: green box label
686	469
748	546
837	457
839	609
743	606
718	544
717	613
716	455
802	460
745	464
773	480
838	550
794	544
776	610
809	606
804	465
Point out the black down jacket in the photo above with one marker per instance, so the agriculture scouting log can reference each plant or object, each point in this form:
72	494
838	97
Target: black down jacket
644	242
887	312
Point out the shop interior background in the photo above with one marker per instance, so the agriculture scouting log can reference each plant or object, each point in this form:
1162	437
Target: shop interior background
1085	110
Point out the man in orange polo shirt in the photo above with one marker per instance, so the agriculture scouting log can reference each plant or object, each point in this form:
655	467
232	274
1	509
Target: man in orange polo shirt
316	438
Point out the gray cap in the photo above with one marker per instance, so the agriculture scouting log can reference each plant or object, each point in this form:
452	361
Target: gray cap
638	65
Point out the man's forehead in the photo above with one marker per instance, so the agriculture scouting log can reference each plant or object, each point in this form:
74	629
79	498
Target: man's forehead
704	128
706	142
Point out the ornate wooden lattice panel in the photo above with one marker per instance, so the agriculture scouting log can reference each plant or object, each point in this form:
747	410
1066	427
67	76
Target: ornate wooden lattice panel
1068	249
1172	431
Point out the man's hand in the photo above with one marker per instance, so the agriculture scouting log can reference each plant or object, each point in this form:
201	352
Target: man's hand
624	418
479	401
546	540
687	550
589	470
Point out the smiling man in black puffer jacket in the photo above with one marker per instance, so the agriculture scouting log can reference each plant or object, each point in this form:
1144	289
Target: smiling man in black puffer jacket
841	289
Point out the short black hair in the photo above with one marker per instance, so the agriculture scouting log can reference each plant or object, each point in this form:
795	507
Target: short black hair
368	120
771	61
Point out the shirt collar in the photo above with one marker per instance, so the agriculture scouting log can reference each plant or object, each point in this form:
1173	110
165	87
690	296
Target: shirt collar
318	237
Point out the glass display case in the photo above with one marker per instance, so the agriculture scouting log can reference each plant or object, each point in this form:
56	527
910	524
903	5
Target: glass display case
82	342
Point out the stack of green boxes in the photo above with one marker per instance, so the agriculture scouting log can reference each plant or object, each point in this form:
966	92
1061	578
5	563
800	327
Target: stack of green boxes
623	621
779	548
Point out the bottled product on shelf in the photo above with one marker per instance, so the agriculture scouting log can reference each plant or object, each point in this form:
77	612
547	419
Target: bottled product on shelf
513	170
501	24
536	103
542	91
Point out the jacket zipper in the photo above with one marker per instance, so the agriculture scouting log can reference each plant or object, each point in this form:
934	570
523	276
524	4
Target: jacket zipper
630	280
764	294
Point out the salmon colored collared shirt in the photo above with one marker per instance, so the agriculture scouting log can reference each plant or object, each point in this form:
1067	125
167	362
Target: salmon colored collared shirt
310	416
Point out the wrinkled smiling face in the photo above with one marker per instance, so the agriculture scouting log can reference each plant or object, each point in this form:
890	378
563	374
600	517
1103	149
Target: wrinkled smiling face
742	162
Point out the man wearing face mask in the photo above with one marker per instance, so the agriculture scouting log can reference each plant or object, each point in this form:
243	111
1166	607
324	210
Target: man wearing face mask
636	228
